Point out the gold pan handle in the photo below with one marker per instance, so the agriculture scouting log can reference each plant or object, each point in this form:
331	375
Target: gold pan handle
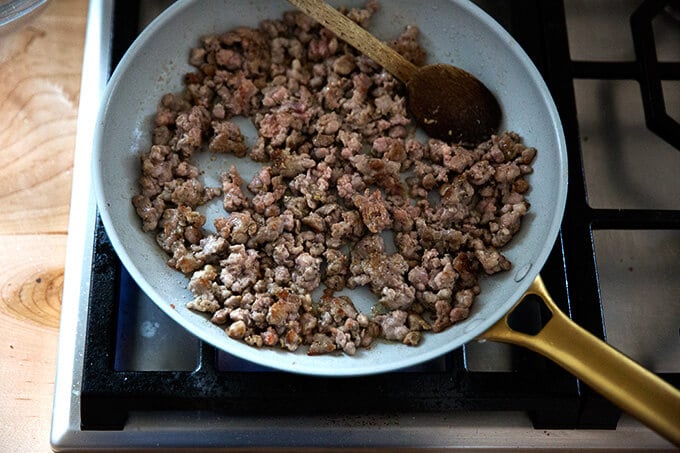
615	376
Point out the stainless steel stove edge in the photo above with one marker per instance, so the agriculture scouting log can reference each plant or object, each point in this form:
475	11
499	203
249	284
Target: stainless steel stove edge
66	412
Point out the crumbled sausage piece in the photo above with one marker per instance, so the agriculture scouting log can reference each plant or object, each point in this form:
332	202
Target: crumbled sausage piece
150	212
227	138
237	329
240	270
393	325
321	344
417	323
492	261
337	267
237	228
373	211
412	338
234	199
204	303
221	316
306	274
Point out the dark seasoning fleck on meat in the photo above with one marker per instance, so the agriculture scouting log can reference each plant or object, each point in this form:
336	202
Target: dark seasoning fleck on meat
340	165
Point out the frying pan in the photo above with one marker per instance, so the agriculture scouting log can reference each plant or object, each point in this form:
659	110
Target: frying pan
454	32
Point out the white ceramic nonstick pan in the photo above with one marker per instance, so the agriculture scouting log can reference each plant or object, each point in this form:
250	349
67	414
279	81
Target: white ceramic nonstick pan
454	32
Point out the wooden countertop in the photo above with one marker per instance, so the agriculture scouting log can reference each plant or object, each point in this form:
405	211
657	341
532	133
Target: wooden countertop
40	69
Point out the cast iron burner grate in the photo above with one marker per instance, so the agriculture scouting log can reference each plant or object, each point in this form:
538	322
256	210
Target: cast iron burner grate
551	397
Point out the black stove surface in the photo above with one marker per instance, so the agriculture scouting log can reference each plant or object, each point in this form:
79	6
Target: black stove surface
552	397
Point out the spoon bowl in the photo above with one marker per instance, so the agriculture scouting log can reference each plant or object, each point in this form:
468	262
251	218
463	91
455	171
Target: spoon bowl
453	105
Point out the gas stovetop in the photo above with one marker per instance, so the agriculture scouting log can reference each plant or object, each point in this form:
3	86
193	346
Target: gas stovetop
120	386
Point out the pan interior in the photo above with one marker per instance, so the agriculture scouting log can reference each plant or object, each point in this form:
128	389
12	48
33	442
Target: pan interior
452	32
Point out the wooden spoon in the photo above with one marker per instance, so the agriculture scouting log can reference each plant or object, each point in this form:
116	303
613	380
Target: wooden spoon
447	102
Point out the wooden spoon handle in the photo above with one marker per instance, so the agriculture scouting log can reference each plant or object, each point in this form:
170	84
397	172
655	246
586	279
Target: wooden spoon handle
350	32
